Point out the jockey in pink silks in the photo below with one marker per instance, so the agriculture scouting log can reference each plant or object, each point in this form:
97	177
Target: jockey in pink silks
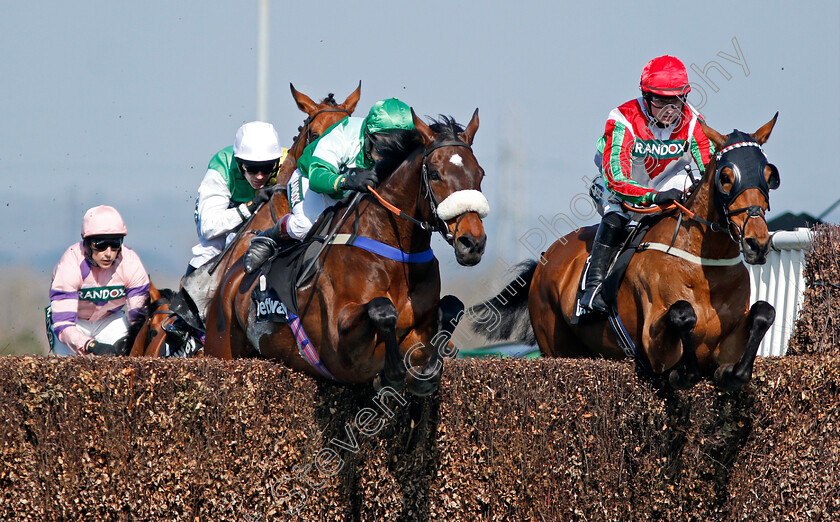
99	288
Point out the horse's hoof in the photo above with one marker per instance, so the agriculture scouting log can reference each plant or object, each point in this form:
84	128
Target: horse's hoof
380	382
421	384
727	380
681	382
420	388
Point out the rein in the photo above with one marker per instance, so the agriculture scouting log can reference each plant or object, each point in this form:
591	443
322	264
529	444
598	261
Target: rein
723	199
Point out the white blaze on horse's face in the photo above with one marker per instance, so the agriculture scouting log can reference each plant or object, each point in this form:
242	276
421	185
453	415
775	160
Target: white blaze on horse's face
456	160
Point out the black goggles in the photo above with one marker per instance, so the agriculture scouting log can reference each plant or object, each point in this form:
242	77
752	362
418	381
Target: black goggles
255	167
101	245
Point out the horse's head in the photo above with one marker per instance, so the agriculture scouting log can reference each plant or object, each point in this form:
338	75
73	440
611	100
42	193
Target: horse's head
742	182
452	184
320	116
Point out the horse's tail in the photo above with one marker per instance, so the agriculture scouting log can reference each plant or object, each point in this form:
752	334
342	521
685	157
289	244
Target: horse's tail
505	317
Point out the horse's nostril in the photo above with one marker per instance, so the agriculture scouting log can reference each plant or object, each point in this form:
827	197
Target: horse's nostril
466	242
752	244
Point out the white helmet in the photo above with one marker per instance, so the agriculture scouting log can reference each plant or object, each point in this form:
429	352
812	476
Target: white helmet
257	141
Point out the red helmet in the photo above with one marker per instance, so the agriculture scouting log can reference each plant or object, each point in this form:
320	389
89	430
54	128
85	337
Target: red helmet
103	221
665	76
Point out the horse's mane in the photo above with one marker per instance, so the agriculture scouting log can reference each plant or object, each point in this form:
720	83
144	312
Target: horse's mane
447	128
394	147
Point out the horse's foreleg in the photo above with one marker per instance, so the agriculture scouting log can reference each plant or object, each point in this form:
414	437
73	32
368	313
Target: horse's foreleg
731	377
683	319
427	380
383	314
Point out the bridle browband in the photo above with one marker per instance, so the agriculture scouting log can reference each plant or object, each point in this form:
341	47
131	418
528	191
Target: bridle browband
440	224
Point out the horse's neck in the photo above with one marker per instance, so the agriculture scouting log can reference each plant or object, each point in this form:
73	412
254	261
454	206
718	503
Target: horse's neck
697	236
403	190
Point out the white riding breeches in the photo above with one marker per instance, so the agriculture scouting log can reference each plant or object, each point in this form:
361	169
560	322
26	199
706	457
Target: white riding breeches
109	330
307	205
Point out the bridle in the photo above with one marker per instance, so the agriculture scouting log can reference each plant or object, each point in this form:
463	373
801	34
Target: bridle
745	159
438	224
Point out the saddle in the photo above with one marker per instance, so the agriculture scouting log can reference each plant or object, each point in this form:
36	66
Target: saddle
275	297
615	274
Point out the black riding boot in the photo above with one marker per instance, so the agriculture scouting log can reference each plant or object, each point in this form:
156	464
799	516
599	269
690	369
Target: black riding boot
266	245
608	240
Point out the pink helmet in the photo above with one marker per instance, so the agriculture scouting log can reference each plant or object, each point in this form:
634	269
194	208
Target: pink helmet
103	221
665	76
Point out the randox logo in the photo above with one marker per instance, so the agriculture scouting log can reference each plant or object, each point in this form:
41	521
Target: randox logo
658	148
102	293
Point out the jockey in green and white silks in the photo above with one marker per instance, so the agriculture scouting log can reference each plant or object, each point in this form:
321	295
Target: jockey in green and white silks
338	161
239	178
641	157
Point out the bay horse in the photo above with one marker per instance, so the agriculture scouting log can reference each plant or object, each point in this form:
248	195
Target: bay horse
684	299
369	317
203	282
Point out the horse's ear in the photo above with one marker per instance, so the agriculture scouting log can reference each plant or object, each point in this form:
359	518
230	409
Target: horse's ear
714	136
763	133
353	99
303	101
425	131
469	132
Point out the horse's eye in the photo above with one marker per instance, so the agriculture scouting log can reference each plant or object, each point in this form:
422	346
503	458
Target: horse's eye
435	175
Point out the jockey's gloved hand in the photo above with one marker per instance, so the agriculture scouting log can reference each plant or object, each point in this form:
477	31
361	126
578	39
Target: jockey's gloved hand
359	180
98	348
667	196
262	196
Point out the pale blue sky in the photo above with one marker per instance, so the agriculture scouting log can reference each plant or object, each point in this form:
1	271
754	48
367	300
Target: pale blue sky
124	103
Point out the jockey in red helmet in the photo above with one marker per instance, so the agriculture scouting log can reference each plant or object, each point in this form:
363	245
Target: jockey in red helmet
664	86
641	158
